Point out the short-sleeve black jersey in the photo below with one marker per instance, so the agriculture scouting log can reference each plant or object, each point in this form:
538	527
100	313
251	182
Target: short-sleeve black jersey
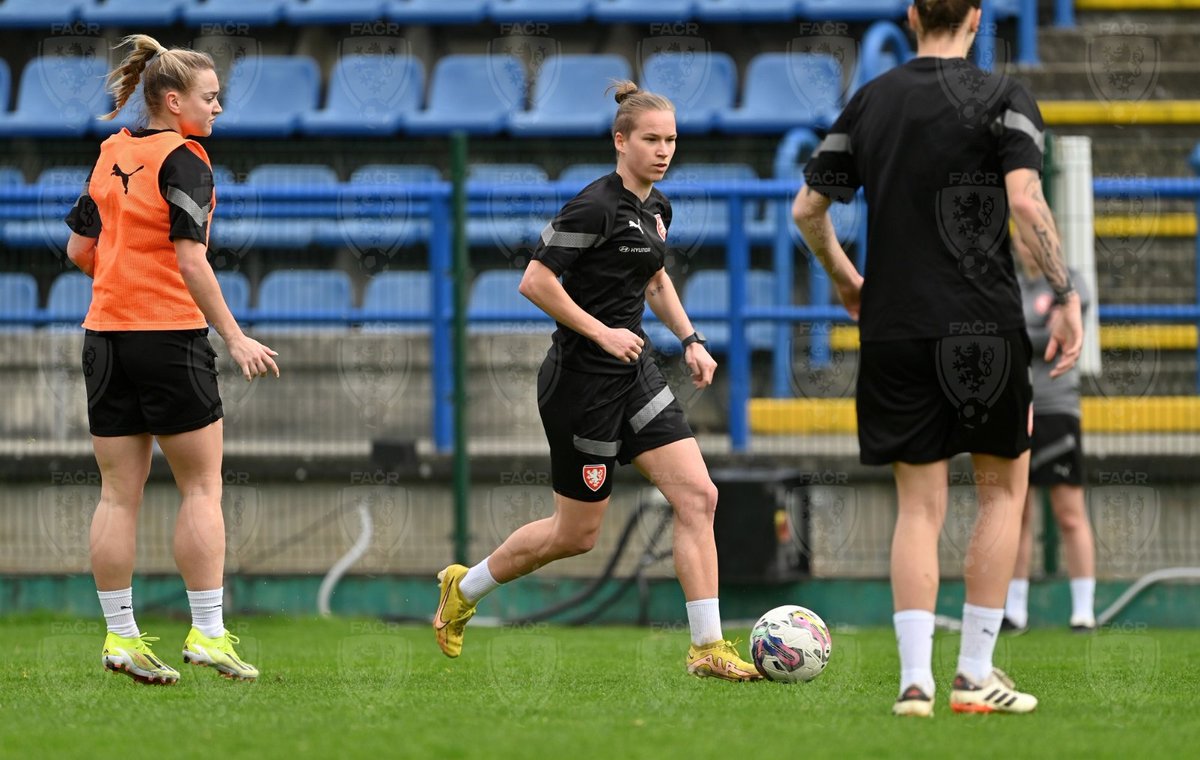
182	171
930	143
605	244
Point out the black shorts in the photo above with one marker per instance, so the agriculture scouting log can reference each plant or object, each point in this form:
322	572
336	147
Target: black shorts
594	421
925	400
153	381
1057	456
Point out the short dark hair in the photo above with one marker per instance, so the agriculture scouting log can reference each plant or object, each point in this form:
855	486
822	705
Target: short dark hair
943	15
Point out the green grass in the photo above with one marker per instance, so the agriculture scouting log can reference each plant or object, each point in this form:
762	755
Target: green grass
366	689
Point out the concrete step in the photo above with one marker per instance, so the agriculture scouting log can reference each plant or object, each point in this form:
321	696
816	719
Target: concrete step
1114	43
1083	80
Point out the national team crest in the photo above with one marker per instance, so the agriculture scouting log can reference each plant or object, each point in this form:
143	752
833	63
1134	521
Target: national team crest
972	221
973	372
594	475
662	228
1123	67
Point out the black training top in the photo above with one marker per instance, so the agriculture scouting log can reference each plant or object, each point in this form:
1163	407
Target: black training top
930	143
606	244
181	169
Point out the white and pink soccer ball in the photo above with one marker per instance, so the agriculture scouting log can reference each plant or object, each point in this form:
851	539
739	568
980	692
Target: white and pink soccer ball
790	644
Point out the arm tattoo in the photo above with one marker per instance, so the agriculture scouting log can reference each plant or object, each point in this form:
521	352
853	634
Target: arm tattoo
1047	249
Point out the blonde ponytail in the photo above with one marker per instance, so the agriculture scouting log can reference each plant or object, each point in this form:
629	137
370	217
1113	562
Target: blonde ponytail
158	68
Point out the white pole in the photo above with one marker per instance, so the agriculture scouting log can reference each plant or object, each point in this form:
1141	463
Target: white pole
1074	213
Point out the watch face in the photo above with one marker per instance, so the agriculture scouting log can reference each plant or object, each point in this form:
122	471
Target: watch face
700	337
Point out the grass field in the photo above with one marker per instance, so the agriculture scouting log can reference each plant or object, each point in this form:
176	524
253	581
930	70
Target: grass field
368	689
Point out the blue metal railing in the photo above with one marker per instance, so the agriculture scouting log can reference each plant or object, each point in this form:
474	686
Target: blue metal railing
739	314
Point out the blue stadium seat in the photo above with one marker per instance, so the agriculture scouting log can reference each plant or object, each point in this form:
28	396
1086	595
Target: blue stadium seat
389	174
696	221
495	291
661	337
708	290
474	93
58	97
268	175
236	289
69	299
251	12
130	117
368	95
5	86
616	11
18	298
578	176
700	84
510	221
539	10
333	11
437	11
853	10
267	95
399	291
319	292
783	91
747	10
38	13
569	97
11	176
137	13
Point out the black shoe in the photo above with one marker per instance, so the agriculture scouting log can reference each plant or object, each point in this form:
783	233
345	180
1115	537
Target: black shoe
1008	626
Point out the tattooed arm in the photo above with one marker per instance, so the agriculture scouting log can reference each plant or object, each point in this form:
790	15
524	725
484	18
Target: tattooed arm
1035	225
810	211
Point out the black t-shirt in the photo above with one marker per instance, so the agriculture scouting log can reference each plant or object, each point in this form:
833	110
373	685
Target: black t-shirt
930	143
605	244
181	170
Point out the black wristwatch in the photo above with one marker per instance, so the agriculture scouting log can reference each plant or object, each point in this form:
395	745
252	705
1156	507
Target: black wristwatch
696	337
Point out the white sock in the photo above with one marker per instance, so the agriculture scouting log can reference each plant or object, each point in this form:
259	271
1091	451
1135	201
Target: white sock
478	582
118	612
914	637
207	614
1016	606
704	618
980	627
1083	597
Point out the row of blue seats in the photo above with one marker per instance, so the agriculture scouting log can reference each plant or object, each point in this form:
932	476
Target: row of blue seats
149	13
379	95
329	294
366	222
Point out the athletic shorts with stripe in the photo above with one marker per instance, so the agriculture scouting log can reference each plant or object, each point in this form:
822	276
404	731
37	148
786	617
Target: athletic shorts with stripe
924	400
1057	456
150	381
593	421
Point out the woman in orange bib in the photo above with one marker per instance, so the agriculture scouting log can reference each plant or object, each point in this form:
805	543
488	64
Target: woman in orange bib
140	230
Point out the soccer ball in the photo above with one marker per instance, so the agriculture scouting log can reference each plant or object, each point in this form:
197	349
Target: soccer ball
790	644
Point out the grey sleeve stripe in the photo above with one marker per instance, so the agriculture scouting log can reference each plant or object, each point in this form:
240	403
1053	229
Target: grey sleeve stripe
834	143
1049	453
1022	123
651	410
184	202
552	237
597	448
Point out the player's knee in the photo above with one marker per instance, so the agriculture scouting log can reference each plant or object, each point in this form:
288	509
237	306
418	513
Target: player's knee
580	541
700	504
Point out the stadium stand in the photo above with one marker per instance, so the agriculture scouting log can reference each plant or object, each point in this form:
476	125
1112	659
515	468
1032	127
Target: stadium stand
368	95
473	93
250	12
782	91
333	11
618	11
539	10
236	289
708	291
574	102
38	13
137	13
398	291
267	96
437	11
701	84
69	299
495	292
58	96
18	298
308	293
734	11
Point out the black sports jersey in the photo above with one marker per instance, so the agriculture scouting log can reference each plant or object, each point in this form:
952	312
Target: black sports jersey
605	244
182	170
930	143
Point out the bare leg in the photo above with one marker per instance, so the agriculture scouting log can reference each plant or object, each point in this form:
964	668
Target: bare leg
679	472
571	530
992	553
1071	515
195	459
921	495
124	463
1025	546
